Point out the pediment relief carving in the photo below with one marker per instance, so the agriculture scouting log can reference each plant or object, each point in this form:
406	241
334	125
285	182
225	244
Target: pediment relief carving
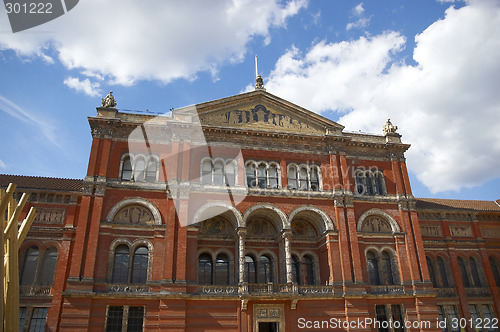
261	117
260	228
215	227
302	229
376	224
134	214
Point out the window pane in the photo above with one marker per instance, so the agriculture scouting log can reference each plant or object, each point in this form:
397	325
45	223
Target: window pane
206	172
218	174
273	177
397	316
463	272
127	170
139	170
314	179
292	178
151	171
140	266
453	316
251	179
494	268
432	273
48	267
475	272
114	321
30	266
442	316
22	317
369	184
121	264
474	315
230	175
295	270
308	268
303	183
372	265
205	270
387	275
222	270
442	272
488	314
265	270
381	316
360	183
135	319
262	176
250	270
37	323
379	181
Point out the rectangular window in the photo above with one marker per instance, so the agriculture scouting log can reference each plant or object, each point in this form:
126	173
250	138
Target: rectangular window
114	321
135	319
453	317
381	318
22	317
441	316
398	316
38	318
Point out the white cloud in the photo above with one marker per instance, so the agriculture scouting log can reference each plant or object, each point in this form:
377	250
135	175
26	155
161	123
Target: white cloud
85	86
160	40
447	107
358	10
362	21
2	165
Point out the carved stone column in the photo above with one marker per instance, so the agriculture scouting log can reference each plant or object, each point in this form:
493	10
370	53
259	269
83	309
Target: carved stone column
286	235
241	254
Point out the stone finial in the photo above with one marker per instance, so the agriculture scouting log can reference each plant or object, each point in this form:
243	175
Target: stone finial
109	100
389	128
259	83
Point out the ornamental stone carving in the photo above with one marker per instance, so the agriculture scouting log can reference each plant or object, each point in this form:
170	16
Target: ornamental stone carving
109	100
260	228
49	215
376	224
389	128
460	230
302	229
215	226
430	230
134	214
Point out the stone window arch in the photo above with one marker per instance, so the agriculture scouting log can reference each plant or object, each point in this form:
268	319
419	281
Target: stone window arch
377	221
48	267
205	269
373	269
130	263
382	266
139	168
463	272
126	171
218	172
250	269
296	270
304	177
265	274
444	272
263	174
475	272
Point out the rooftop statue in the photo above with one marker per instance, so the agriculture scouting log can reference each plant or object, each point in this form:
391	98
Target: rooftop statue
389	128
109	100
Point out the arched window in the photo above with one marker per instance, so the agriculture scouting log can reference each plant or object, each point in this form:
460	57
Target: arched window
303	179
205	269
30	266
140	266
273	176
218	173
308	268
251	176
206	172
126	169
387	273
369	183
314	179
48	267
494	269
443	273
222	270
292	177
432	272
475	272
121	265
463	272
295	270
372	264
151	171
230	175
265	270
379	184
360	183
251	276
140	168
262	176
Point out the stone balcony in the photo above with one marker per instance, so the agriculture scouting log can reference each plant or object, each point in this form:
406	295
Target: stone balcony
387	289
267	289
446	292
477	292
32	290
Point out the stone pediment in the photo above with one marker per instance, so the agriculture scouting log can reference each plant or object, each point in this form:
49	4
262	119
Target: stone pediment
262	111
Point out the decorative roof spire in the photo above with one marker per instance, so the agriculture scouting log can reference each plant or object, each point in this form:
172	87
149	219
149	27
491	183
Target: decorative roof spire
109	100
389	128
259	83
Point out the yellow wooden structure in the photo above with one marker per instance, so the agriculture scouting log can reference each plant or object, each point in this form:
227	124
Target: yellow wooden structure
11	237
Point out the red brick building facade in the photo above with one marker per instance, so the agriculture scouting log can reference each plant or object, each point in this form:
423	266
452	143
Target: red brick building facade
250	213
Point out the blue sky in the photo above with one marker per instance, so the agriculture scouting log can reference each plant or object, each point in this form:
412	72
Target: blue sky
431	66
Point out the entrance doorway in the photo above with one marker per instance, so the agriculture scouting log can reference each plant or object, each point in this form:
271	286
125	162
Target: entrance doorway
268	327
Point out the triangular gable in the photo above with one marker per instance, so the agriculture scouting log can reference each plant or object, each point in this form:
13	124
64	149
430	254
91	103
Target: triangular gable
260	110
